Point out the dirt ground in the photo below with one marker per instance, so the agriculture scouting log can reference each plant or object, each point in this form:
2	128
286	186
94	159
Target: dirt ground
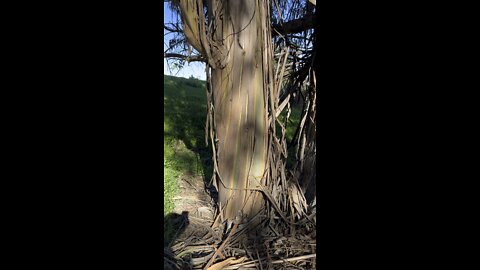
193	199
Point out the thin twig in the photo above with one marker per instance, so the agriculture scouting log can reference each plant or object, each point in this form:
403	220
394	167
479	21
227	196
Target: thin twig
221	246
253	263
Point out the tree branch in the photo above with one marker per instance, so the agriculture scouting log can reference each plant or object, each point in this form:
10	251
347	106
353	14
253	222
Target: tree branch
193	58
177	30
295	26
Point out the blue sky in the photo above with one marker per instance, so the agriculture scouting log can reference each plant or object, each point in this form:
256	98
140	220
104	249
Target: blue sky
195	69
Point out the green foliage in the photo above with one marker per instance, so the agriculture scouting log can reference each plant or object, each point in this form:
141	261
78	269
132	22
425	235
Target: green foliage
291	126
185	111
185	153
194	83
170	188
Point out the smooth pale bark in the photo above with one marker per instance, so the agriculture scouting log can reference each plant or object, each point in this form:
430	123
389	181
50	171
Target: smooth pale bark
239	108
234	43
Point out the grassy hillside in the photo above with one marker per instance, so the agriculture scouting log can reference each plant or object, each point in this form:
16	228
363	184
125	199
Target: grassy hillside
185	153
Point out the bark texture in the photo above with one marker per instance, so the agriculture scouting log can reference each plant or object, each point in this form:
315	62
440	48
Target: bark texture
239	107
233	42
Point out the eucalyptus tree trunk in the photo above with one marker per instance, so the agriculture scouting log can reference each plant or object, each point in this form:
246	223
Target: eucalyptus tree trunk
235	41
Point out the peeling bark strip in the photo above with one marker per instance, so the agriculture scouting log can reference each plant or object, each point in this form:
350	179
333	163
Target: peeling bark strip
191	23
198	35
